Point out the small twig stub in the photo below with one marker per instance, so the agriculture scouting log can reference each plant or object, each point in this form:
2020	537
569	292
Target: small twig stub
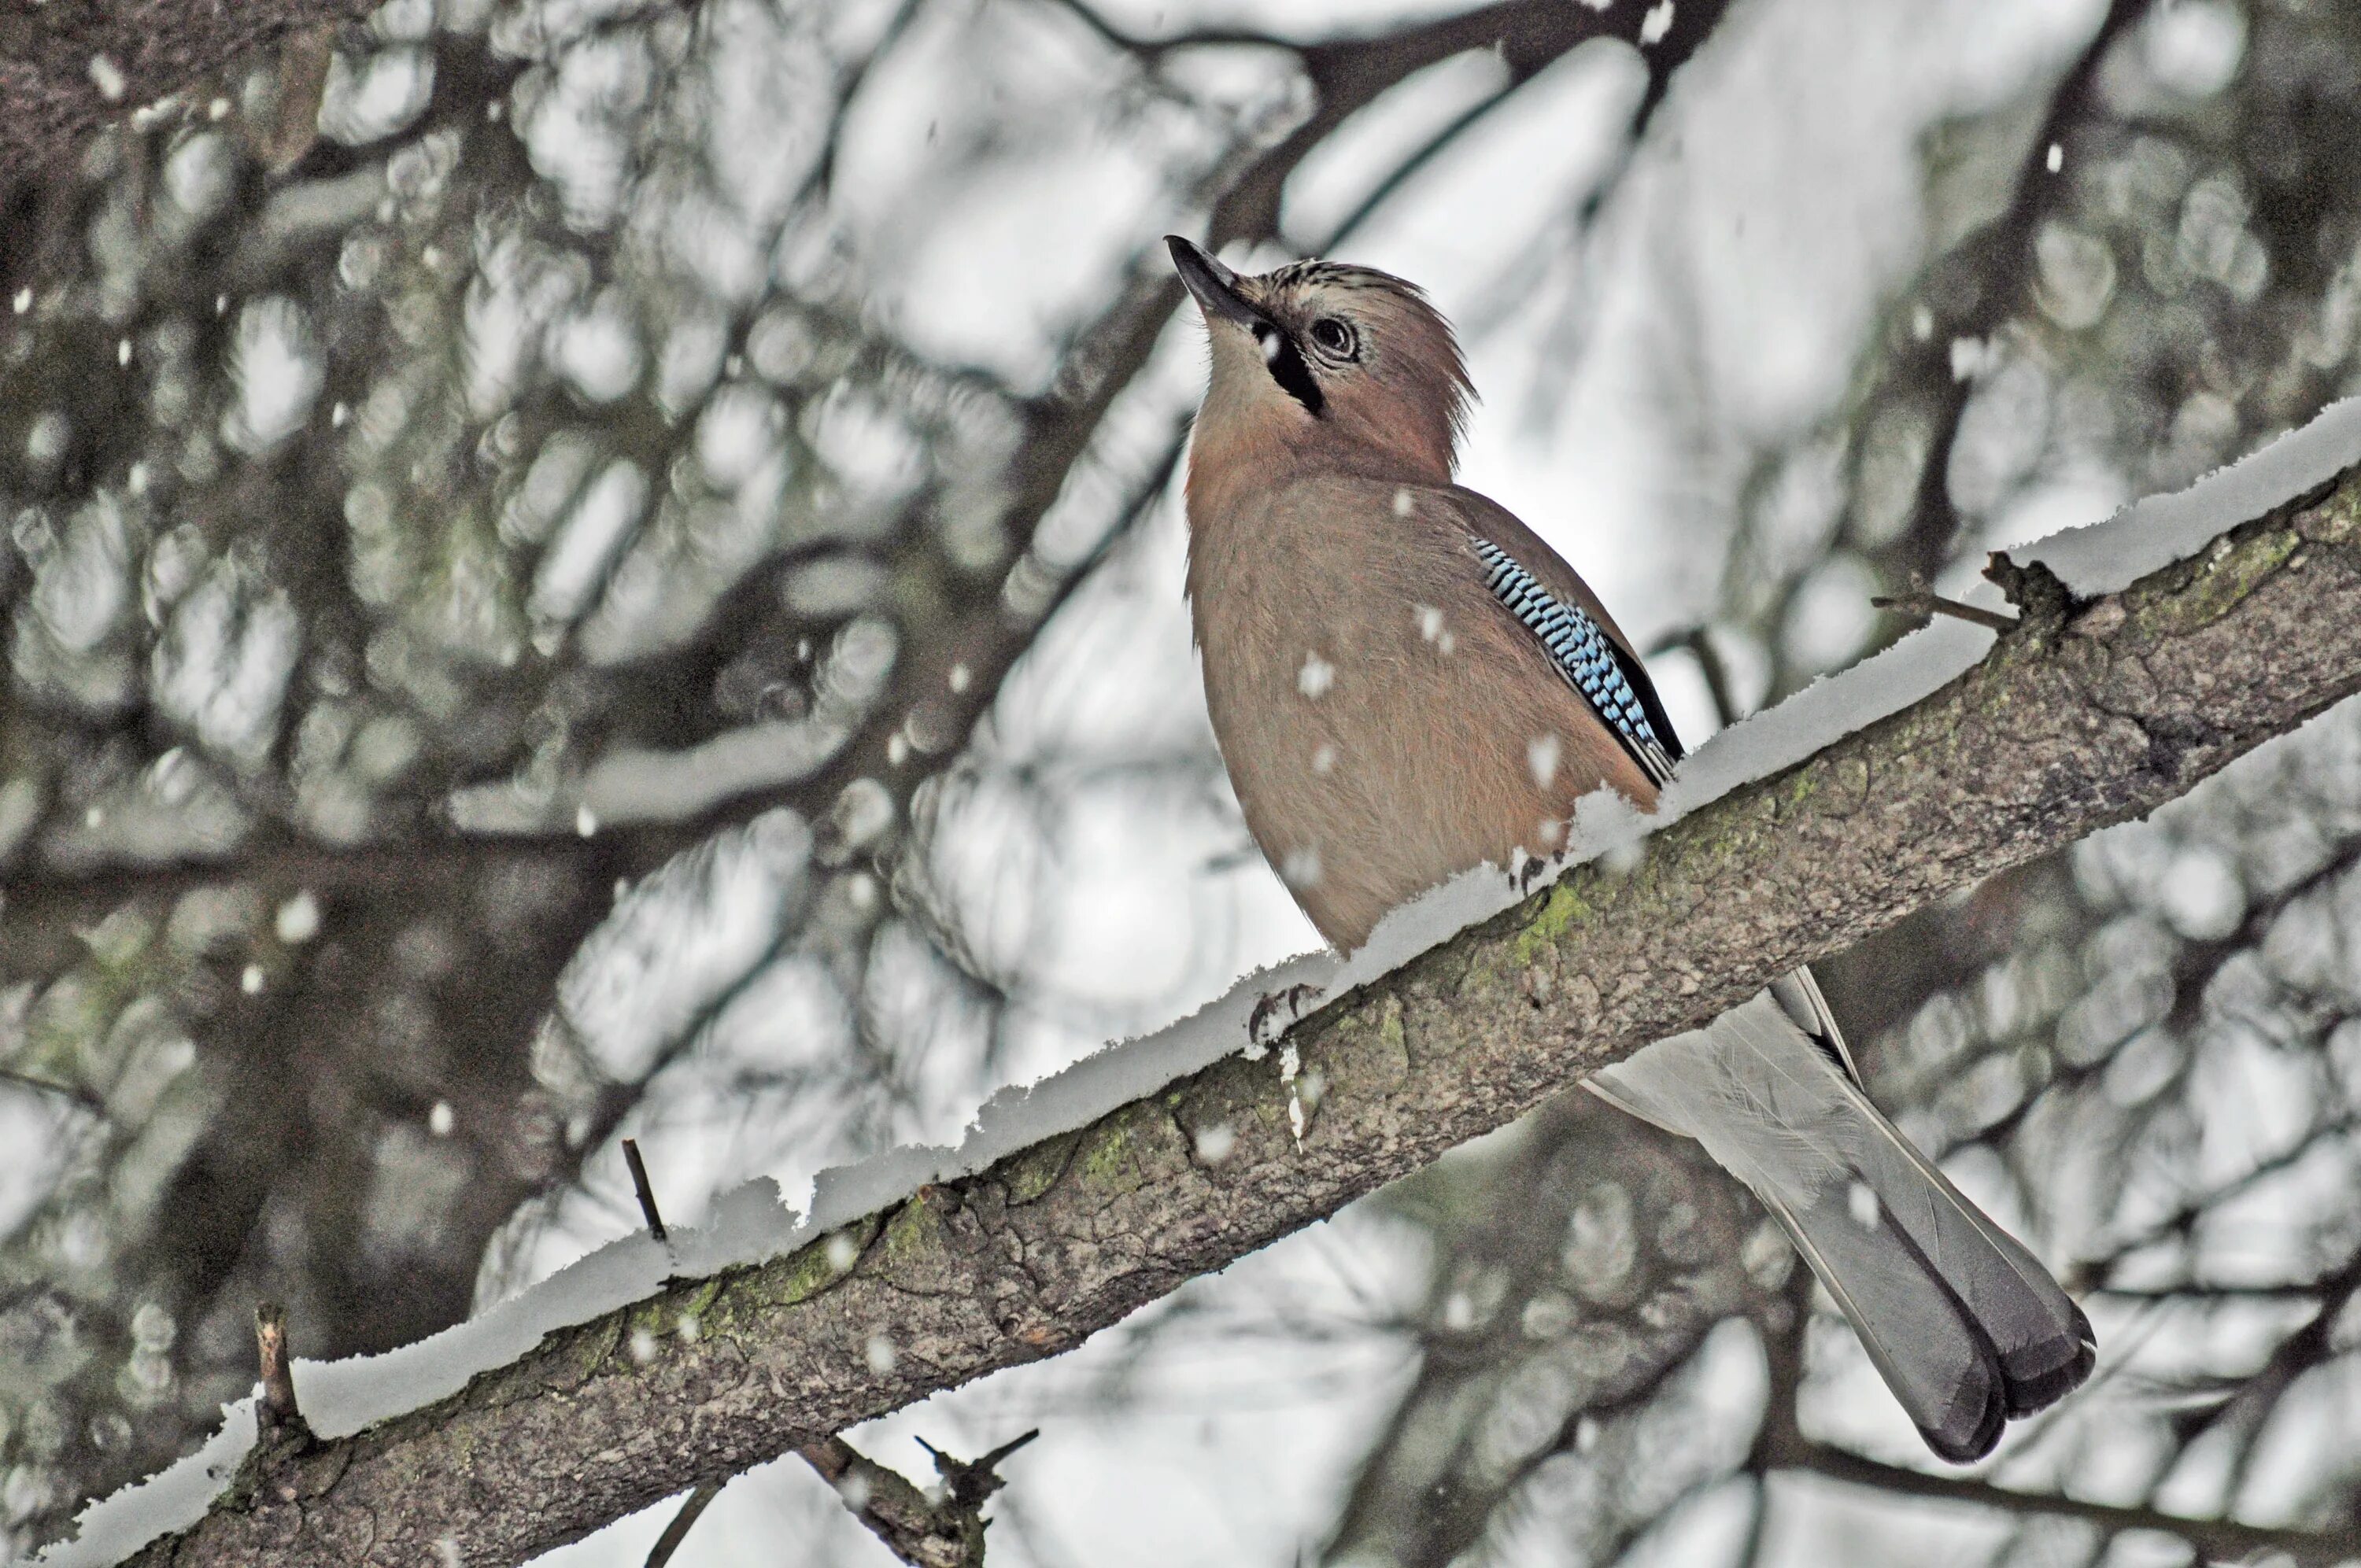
969	1483
677	1531
277	1413
942	1528
647	1193
2034	588
1919	604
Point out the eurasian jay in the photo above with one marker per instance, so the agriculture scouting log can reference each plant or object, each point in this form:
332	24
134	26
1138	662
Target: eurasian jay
1405	681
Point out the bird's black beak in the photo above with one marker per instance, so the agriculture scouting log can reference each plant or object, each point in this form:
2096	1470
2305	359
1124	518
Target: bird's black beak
1213	286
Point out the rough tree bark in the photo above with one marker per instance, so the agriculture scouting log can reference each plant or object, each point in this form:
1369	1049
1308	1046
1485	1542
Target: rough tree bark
2086	713
69	66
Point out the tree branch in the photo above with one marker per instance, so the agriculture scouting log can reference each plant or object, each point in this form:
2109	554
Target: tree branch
66	70
692	1508
924	1531
2083	714
2216	1539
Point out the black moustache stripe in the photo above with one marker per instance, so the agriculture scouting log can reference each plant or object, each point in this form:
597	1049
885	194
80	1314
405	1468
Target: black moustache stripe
1294	377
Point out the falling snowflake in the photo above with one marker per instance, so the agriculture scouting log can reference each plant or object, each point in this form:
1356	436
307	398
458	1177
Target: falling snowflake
1290	1063
298	920
1316	676
1541	755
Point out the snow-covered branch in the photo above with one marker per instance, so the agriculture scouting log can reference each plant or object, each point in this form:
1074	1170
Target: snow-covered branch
2130	676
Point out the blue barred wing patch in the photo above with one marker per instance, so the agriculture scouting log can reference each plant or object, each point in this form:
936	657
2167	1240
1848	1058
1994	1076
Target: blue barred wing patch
1582	652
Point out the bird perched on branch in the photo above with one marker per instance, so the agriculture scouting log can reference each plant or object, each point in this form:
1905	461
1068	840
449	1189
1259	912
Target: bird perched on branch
1406	682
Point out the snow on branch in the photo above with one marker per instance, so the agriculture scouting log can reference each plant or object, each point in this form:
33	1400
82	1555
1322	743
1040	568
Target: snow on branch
2149	652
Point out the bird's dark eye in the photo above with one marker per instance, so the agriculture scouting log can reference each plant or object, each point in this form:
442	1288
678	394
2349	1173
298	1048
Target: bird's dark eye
1332	336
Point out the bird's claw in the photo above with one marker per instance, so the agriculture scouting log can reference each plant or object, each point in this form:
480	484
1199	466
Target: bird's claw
1285	1005
1531	870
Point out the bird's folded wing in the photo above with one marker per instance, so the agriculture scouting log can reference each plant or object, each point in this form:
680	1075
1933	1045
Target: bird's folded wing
1533	584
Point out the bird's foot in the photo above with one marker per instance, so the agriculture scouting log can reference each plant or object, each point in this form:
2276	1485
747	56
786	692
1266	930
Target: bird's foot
1276	1011
1530	871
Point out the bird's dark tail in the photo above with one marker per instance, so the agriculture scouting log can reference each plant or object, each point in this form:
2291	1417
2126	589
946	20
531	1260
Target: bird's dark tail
1967	1327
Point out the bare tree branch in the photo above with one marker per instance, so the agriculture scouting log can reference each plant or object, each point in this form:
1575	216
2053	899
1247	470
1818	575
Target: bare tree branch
926	1531
1921	604
692	1508
2216	1539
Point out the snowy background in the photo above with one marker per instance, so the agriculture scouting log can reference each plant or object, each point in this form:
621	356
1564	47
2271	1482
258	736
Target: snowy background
630	587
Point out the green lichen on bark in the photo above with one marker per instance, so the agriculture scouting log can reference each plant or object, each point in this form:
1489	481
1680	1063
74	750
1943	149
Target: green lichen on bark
813	1267
2219	582
1031	1172
1560	908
